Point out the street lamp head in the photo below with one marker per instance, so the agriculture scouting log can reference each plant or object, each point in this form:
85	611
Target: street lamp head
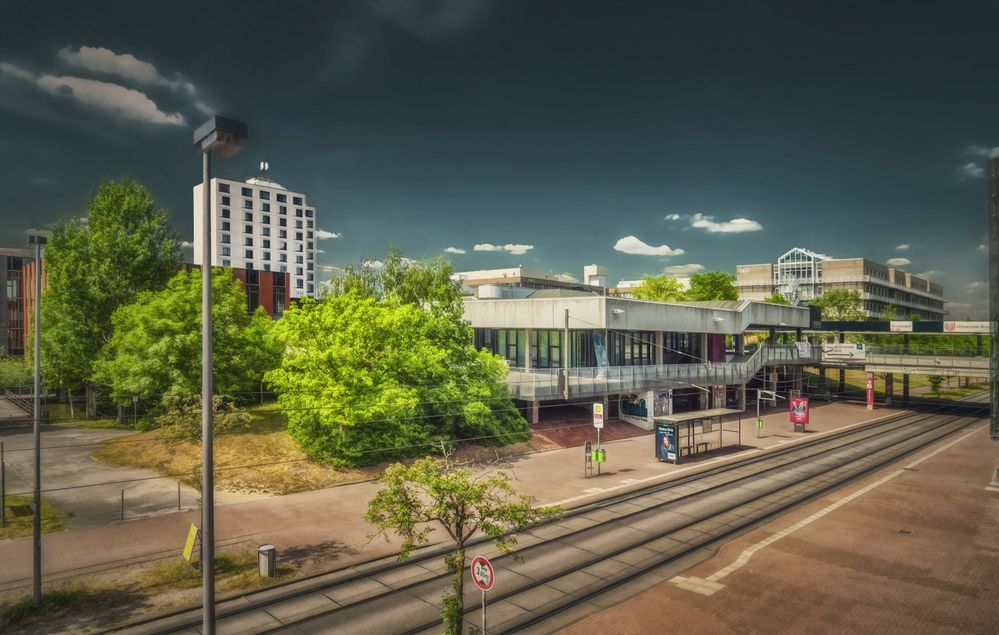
37	237
221	135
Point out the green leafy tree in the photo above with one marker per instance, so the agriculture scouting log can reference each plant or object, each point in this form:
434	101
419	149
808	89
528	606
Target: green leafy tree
936	381
364	380
841	304
712	285
776	298
14	372
155	349
95	265
659	289
416	500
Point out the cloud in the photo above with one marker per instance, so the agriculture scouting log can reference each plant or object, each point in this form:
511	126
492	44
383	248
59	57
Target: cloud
982	248
673	216
902	247
898	262
123	65
515	249
454	250
683	270
104	96
932	273
958	305
976	285
372	264
734	226
982	152
186	244
971	171
322	234
634	246
567	277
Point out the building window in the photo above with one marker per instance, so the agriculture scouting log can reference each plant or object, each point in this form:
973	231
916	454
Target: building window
298	271
225	238
281	198
298	283
267	267
247	191
284	269
298	247
248	241
311	289
308	235
309	244
225	225
249	254
265	195
298	224
282	233
265	231
225	200
266	207
226	251
283	222
247	203
298	235
267	255
299	260
249	265
225	213
297	200
283	245
267	244
283	210
308	276
224	187
267	219
308	213
226	263
308	224
283	258
248	216
247	229
298	213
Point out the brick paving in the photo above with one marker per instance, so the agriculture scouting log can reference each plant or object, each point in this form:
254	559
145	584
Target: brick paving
917	554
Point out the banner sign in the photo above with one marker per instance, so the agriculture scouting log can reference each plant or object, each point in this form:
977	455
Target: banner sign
900	326
870	390
966	327
192	535
846	352
666	442
600	348
799	410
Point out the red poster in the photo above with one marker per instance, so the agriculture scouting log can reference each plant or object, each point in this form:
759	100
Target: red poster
799	410
870	389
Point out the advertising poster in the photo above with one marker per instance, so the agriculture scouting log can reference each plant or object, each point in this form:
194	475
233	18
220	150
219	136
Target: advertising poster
600	348
666	442
799	410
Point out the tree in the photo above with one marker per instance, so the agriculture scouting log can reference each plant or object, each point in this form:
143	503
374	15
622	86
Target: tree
776	298
155	349
431	493
712	285
95	265
935	382
659	289
840	304
364	380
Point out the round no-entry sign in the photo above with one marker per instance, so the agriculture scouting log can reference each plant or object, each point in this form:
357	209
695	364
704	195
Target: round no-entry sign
482	573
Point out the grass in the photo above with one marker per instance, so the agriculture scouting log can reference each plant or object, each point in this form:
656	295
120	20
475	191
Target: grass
959	392
59	604
22	525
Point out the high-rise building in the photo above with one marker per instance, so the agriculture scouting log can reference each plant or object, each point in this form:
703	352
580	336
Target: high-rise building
12	300
801	275
259	224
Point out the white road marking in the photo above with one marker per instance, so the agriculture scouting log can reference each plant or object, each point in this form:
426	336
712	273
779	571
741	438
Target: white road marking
710	585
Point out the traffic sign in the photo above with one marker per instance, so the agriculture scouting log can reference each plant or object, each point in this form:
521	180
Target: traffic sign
482	573
598	415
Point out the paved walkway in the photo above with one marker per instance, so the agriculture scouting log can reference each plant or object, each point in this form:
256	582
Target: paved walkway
913	548
322	529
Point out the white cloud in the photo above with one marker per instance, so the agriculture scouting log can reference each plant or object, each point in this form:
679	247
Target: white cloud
932	273
976	285
673	216
634	246
515	249
454	250
958	305
372	264
898	262
983	152
734	226
902	247
683	270
105	96
971	171
186	244
125	65
322	234
982	248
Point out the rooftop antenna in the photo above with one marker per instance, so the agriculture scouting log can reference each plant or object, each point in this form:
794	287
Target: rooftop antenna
264	167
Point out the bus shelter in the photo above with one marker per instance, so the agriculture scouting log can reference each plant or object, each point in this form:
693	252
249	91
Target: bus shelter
692	433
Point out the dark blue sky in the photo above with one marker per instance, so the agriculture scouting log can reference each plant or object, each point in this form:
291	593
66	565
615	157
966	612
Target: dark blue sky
846	127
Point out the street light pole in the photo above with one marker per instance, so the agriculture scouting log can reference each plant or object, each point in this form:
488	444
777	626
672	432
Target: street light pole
225	137
36	543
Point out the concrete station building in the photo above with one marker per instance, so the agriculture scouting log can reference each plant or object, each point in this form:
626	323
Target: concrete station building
518	282
802	275
644	359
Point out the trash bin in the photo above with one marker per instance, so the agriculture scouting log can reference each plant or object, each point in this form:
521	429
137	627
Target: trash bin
266	560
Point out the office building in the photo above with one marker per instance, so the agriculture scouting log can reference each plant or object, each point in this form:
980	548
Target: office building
259	225
802	275
13	311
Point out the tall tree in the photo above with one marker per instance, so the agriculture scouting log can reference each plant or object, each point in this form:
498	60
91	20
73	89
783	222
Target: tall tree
840	304
661	288
414	501
95	265
155	349
712	285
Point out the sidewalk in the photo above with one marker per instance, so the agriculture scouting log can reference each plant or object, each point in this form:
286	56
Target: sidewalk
323	529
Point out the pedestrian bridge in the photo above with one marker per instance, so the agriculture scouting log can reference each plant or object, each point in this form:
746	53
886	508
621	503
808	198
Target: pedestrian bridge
541	384
926	364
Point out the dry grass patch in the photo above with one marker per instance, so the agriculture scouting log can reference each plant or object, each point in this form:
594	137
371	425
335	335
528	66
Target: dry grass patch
19	519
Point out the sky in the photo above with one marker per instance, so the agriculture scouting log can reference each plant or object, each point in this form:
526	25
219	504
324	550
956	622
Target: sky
647	137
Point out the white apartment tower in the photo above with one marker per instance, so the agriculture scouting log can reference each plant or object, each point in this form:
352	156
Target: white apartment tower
259	224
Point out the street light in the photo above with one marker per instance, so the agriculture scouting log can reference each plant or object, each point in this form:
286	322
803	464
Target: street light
37	240
224	137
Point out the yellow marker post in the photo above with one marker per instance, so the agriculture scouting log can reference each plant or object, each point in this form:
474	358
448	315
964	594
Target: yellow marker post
192	535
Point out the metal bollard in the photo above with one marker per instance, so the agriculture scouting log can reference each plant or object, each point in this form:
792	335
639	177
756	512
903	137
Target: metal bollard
266	561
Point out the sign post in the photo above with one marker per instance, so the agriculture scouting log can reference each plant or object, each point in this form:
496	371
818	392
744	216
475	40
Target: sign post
193	534
598	423
483	576
870	391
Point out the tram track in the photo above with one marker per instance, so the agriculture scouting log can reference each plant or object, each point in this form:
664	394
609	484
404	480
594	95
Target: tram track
382	588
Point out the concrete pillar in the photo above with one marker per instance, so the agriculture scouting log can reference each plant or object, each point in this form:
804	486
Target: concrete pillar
535	412
527	353
842	381
799	378
798	335
742	397
740	344
702	400
773	336
905	387
703	353
660	337
889	388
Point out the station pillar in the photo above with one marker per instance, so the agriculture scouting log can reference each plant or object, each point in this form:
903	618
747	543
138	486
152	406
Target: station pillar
535	412
799	378
740	344
842	381
742	397
905	387
703	400
660	342
797	335
889	388
773	336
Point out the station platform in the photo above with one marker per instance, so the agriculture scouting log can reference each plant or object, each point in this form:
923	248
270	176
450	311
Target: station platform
915	551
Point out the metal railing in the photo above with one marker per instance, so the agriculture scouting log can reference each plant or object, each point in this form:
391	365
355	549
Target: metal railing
549	383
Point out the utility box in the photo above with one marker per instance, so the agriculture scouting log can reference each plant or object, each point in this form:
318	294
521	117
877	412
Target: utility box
267	561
